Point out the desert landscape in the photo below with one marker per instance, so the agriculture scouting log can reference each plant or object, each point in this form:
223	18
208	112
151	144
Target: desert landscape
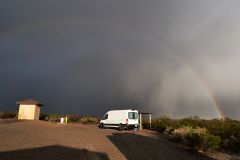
25	140
120	80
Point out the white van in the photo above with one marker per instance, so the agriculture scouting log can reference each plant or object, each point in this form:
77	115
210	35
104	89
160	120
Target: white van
121	119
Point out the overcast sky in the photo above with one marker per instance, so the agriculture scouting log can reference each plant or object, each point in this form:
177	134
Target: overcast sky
169	57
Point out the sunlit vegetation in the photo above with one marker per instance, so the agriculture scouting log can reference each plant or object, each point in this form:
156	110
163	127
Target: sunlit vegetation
85	119
199	133
71	118
6	115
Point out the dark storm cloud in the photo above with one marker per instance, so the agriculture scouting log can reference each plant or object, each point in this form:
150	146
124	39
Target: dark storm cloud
87	57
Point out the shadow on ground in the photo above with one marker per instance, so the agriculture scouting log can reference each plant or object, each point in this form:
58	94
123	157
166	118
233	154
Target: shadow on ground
53	153
135	146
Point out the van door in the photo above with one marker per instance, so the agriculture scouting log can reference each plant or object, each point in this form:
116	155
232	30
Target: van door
133	118
105	119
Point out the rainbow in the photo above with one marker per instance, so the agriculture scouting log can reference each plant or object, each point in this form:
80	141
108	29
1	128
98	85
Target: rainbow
214	100
216	105
205	86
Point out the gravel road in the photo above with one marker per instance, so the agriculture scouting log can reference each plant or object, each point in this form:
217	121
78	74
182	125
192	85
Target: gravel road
40	140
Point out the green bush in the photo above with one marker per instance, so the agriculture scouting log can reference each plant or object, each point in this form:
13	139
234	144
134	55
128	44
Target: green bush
228	130
210	142
145	124
231	143
161	124
53	118
219	134
5	115
74	118
71	118
192	122
43	116
196	138
168	131
88	120
193	140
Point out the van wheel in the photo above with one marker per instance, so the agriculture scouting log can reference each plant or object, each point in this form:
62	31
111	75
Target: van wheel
121	127
101	125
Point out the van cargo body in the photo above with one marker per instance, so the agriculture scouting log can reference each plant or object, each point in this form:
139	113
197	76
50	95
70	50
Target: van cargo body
123	119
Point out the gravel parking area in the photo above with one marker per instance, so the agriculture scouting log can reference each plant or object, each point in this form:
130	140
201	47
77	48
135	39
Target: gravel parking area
38	140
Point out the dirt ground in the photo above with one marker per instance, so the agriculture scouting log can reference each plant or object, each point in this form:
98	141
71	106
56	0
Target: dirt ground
40	140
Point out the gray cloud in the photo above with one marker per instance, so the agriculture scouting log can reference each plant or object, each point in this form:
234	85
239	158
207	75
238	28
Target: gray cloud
86	57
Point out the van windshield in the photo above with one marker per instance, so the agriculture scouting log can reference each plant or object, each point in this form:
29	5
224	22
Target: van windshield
132	115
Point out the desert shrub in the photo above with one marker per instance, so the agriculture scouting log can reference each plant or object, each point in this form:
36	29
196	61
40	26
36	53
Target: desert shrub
224	128
193	140
228	130
210	142
219	134
74	118
83	119
145	124
174	135
188	122
43	116
53	118
88	120
196	138
5	115
231	143
161	124
168	131
190	136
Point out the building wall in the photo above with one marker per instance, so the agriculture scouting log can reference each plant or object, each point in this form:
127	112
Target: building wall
30	112
37	113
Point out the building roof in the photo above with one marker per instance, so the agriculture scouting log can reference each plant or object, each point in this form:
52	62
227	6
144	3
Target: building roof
145	112
29	101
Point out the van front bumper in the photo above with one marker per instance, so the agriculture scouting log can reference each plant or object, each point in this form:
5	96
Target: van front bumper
132	126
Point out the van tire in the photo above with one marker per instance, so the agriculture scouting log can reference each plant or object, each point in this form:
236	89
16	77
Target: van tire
121	127
101	125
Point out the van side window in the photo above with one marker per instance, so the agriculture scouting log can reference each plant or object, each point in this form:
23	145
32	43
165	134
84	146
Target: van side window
105	117
132	115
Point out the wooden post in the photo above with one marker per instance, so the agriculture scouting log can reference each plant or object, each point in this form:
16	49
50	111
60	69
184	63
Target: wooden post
140	118
150	120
